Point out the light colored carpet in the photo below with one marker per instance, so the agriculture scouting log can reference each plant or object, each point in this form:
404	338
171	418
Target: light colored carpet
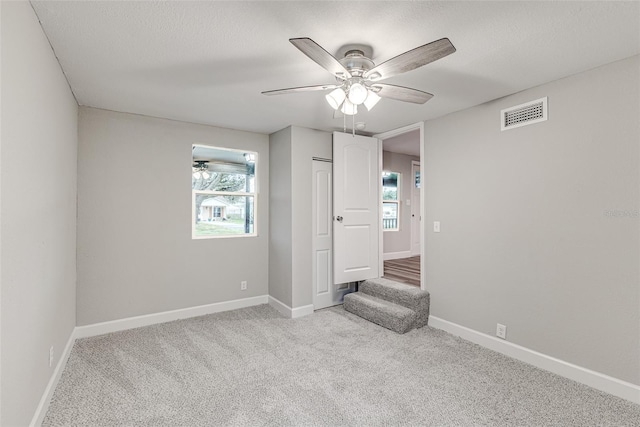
254	367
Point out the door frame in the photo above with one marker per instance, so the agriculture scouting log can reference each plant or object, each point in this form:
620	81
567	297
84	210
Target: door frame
390	134
413	177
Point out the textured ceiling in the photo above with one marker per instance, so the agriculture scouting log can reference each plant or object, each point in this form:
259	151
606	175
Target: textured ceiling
207	62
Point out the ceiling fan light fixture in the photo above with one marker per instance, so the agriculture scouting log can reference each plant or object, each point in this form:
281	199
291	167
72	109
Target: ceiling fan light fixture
349	108
335	98
357	93
357	75
200	169
372	100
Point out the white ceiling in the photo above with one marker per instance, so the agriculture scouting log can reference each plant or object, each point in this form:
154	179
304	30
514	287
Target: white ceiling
406	143
207	62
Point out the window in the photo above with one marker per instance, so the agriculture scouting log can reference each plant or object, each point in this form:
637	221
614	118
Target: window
223	185
390	201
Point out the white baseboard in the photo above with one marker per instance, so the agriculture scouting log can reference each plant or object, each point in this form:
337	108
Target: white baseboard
396	255
166	316
305	310
577	373
43	406
282	308
291	313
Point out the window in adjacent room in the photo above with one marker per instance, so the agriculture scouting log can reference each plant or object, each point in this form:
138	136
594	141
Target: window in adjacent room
390	201
224	195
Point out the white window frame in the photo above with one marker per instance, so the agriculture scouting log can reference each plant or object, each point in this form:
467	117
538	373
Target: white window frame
397	202
253	194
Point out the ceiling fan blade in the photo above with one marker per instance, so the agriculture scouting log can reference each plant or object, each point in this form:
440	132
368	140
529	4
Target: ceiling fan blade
323	58
299	89
401	93
412	59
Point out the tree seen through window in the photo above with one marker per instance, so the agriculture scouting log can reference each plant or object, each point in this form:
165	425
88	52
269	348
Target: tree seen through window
224	191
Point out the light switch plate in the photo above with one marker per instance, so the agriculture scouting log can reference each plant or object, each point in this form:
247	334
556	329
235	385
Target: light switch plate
436	226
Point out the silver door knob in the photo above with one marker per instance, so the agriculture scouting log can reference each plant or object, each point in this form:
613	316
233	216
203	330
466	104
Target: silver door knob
339	218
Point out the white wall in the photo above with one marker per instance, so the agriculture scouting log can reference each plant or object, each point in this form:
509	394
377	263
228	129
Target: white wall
292	152
305	144
135	251
400	241
38	246
280	237
526	237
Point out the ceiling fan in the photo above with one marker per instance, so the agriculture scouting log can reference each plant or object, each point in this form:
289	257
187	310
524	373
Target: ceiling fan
358	76
201	169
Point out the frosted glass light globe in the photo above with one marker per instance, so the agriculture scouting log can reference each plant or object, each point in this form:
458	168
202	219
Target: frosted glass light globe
371	100
357	93
335	98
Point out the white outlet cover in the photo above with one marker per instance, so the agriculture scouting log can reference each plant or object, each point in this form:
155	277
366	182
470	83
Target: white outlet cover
436	226
501	331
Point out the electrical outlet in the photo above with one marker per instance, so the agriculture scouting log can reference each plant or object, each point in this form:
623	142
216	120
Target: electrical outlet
501	331
51	356
436	226
243	285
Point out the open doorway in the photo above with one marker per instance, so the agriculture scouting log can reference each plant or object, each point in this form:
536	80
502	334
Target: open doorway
401	205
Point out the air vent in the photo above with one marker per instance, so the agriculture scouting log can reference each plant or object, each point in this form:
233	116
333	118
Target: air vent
524	114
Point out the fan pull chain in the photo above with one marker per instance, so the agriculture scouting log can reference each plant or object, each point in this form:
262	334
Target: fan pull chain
353	125
344	123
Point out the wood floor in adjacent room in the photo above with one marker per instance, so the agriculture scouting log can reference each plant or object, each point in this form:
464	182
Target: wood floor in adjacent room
405	270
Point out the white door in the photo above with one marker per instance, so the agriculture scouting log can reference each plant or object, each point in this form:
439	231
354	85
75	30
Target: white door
415	208
325	293
356	207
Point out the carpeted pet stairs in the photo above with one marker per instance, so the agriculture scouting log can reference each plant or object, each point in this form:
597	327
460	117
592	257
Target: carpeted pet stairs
396	306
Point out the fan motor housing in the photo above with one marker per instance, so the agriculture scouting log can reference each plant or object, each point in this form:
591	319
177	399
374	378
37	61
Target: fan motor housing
355	61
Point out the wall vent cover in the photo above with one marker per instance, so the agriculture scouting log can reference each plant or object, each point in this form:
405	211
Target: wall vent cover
524	114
